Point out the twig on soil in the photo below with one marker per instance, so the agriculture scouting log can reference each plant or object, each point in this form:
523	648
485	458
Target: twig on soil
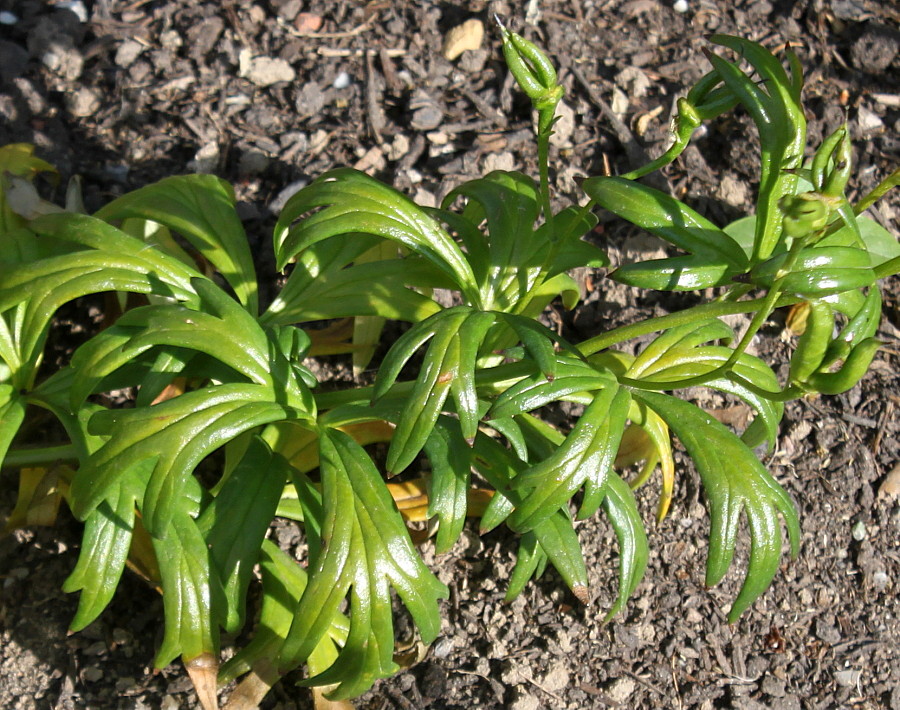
649	686
886	416
339	52
358	30
375	114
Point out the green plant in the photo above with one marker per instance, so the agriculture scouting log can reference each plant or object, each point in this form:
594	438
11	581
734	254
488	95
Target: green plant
220	388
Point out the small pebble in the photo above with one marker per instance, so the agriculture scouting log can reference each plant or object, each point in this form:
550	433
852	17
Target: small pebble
847	678
287	193
92	674
83	103
308	22
127	52
8	18
859	531
620	690
76	6
341	81
880	580
465	37
265	71
680	6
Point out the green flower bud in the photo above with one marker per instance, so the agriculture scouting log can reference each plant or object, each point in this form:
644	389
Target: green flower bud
832	163
804	213
532	70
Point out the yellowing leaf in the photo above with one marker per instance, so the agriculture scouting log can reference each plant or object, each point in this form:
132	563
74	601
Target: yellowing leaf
40	491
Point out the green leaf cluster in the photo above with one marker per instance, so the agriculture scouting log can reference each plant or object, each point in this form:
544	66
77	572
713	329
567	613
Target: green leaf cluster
223	427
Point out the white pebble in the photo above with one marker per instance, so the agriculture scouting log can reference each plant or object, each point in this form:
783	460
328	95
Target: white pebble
341	81
75	6
8	18
859	531
680	6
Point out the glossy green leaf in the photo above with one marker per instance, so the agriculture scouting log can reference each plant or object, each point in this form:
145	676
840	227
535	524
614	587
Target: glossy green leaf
366	550
471	336
378	288
451	461
677	273
439	368
734	481
813	343
552	539
621	509
173	325
12	413
202	209
855	366
683	364
192	592
678	339
862	324
774	104
573	377
407	344
879	243
666	217
508	201
587	453
283	580
177	435
104	549
349	202
237	520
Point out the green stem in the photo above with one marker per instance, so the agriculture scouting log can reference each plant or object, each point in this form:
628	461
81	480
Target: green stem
653	325
880	190
43	456
888	268
503	375
543	141
785	395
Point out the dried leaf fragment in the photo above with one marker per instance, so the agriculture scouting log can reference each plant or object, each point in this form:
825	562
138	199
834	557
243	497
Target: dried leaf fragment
890	487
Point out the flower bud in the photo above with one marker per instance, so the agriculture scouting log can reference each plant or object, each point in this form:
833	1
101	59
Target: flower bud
532	70
804	213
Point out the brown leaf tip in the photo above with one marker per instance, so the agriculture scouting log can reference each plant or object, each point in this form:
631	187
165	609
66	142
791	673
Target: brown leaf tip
581	593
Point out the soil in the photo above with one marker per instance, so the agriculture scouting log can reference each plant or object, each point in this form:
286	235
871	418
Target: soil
134	90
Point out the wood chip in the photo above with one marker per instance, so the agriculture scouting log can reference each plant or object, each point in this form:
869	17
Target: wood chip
468	35
890	486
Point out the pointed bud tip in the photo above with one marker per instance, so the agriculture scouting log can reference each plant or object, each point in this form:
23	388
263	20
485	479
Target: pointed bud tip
581	593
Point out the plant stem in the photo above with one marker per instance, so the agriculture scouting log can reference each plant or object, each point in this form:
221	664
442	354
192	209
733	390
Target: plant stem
880	190
652	325
43	456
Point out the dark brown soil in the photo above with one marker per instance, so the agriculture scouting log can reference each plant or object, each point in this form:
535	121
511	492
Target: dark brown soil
148	88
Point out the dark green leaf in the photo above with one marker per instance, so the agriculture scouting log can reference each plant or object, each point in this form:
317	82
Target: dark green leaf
192	592
237	520
202	209
587	453
366	550
734	481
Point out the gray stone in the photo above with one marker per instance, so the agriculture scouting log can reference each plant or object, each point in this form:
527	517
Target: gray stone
83	103
847	678
265	71
620	690
127	52
773	686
